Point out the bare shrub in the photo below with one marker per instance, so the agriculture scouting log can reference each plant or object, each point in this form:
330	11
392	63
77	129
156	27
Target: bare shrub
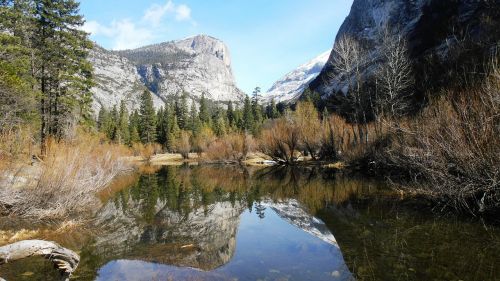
455	146
68	180
280	139
233	147
183	144
340	140
202	140
307	119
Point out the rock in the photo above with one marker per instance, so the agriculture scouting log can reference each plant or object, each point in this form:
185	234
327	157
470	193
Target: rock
432	28
195	65
290	87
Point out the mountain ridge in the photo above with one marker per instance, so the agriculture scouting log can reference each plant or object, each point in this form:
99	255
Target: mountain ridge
194	65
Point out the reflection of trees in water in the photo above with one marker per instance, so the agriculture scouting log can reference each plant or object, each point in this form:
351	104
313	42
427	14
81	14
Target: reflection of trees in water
260	210
186	188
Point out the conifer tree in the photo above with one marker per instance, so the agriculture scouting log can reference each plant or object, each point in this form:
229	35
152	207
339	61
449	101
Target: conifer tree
124	136
147	120
219	124
204	115
114	130
181	111
272	110
248	121
62	70
103	120
174	134
230	114
134	128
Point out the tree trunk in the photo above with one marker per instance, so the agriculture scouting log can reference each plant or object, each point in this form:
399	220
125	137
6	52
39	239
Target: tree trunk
64	260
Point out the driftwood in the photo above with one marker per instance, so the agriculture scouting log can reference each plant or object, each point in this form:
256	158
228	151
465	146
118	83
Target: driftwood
64	260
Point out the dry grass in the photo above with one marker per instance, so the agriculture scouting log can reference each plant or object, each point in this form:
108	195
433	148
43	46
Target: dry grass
68	179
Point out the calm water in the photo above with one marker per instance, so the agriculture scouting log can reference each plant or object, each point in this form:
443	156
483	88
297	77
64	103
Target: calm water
231	223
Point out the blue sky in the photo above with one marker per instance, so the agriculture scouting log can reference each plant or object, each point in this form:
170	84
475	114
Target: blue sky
266	38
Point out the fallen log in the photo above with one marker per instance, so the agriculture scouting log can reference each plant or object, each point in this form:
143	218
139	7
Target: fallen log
64	260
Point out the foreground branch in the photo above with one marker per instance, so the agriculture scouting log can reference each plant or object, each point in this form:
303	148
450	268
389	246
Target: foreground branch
64	260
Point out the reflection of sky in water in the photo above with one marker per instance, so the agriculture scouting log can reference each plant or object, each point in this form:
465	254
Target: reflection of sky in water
266	249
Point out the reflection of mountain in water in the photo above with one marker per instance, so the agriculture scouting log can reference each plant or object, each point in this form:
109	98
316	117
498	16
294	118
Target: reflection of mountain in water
152	228
189	216
295	214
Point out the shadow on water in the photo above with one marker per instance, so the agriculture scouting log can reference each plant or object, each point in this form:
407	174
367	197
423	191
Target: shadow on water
227	222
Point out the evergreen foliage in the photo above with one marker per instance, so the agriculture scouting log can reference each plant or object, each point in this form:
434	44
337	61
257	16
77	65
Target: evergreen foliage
147	118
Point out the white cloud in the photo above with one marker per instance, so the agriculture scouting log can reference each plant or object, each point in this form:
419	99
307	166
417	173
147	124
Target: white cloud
182	12
127	34
155	14
124	33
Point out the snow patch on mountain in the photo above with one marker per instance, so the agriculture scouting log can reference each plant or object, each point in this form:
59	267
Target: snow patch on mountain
290	87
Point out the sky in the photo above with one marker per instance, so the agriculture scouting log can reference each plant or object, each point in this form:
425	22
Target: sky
266	38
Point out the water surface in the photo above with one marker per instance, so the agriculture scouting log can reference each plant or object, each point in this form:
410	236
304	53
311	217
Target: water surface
233	223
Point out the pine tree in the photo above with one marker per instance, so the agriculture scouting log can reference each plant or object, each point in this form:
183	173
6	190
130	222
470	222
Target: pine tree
272	110
103	120
123	124
174	134
248	121
17	95
114	130
193	116
256	111
62	70
134	128
219	124
230	114
204	115
181	111
147	120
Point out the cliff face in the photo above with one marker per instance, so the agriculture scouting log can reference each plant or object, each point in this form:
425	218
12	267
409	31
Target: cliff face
440	34
203	239
195	65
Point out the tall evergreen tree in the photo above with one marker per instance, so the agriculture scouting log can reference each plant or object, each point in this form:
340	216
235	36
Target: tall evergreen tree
147	120
174	134
114	133
17	95
204	115
181	111
62	70
124	134
272	110
248	121
134	128
230	114
103	120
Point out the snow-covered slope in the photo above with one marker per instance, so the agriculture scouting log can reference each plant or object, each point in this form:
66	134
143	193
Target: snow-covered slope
195	65
289	88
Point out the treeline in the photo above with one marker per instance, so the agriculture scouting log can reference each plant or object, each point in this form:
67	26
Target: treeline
184	125
45	77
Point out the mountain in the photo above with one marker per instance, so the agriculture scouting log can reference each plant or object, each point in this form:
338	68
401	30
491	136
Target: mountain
289	88
195	65
440	35
295	214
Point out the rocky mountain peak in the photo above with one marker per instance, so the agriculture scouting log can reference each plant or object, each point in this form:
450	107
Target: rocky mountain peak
432	28
194	66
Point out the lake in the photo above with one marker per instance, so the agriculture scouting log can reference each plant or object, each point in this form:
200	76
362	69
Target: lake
295	223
